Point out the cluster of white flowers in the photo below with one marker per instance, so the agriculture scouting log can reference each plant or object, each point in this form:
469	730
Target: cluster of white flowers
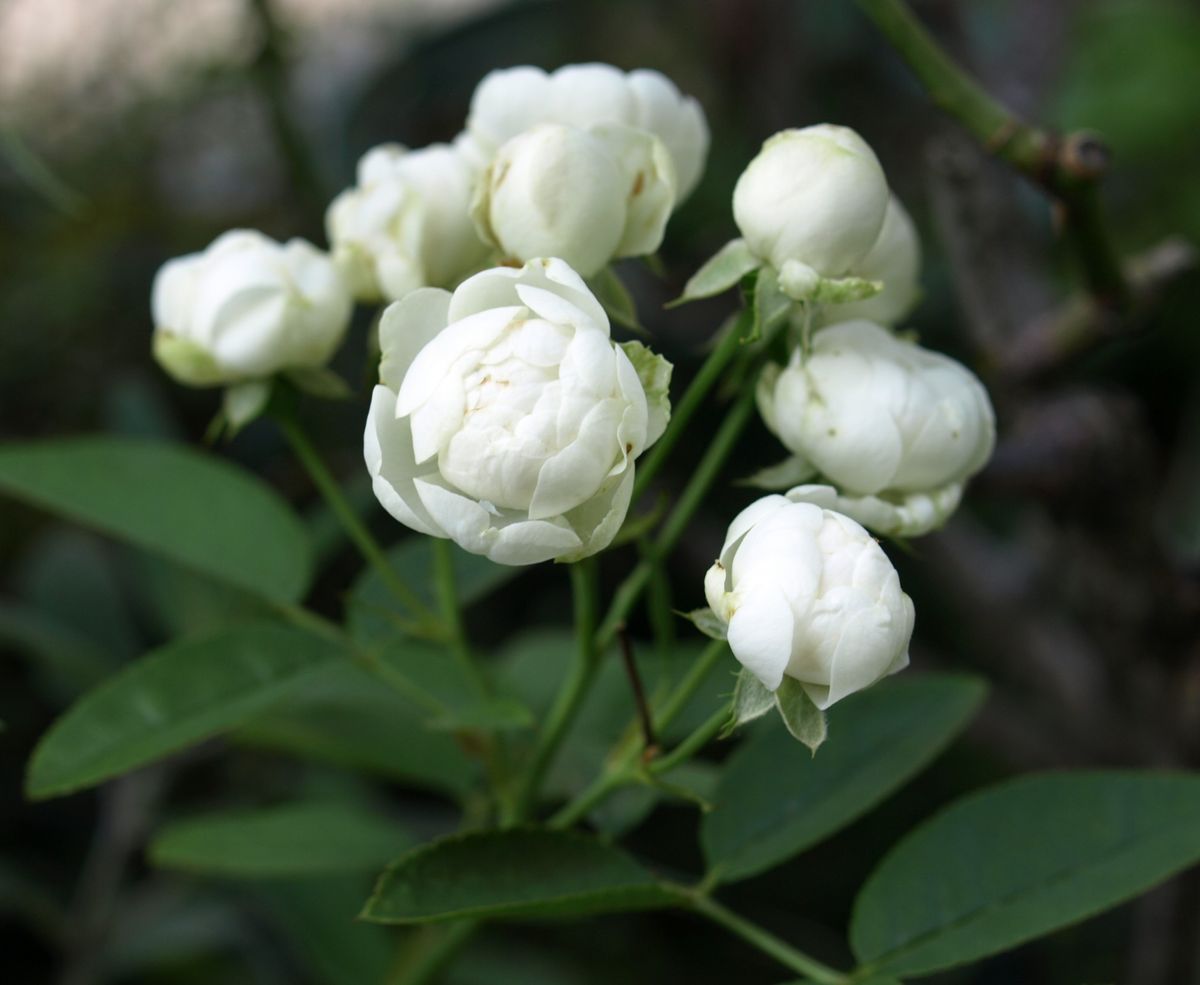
891	430
507	419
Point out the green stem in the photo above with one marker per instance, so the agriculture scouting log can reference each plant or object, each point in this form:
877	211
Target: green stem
621	771
367	546
597	791
700	670
692	744
570	696
447	596
767	942
495	751
719	449
1066	168
710	371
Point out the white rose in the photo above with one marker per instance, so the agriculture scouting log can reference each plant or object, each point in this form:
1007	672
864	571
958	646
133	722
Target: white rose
808	593
245	308
507	419
895	262
586	196
811	204
510	101
406	223
878	416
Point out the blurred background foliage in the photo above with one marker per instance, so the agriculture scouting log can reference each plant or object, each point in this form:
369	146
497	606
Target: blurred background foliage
134	131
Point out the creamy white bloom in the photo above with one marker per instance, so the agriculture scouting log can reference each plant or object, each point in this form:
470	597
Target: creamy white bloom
406	223
877	415
808	593
895	262
245	308
812	203
507	419
585	196
507	102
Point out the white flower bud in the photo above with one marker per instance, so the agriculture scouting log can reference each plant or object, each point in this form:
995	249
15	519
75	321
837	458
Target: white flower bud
510	101
878	415
895	262
406	224
814	197
506	419
808	593
585	196
245	308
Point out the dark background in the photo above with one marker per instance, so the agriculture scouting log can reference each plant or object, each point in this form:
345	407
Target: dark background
1069	579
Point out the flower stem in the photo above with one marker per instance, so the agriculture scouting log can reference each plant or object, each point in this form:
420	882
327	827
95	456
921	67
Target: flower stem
570	696
678	700
692	744
621	769
1065	167
766	942
447	595
367	546
710	371
719	449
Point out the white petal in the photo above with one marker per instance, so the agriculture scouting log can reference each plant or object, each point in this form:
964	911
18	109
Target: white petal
405	328
552	306
760	632
433	362
387	450
576	472
598	520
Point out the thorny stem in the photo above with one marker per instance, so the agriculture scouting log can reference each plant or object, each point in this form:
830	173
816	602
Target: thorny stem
1067	168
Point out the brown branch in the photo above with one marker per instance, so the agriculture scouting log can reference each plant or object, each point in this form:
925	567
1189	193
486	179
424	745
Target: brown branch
1082	322
1066	168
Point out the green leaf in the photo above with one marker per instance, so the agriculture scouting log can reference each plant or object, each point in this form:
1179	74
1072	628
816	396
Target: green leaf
1020	860
720	272
775	800
170	699
707	622
289	840
751	700
371	607
612	293
180	504
517	873
804	720
345	717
